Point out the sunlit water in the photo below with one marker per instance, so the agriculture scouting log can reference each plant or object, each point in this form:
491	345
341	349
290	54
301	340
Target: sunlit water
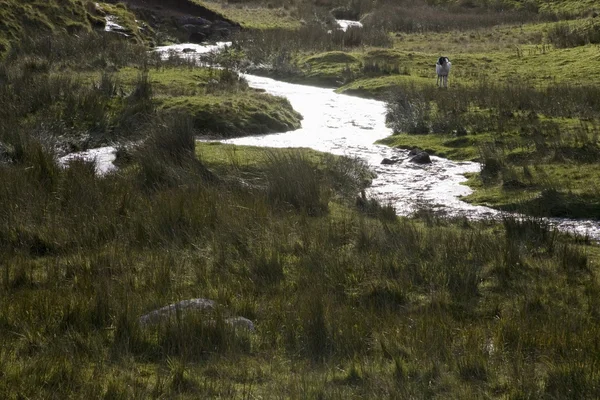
344	24
103	157
350	126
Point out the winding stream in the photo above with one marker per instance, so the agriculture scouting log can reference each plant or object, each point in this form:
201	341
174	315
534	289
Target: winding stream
350	126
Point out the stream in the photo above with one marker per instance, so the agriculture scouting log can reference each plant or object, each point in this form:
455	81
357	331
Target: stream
350	126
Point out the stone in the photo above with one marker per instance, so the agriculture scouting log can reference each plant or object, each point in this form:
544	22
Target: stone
388	161
241	323
221	24
171	310
421	158
194	305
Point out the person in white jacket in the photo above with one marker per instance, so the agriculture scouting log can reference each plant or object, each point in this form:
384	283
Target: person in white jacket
442	69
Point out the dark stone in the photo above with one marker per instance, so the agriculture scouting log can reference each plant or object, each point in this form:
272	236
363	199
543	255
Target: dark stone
191	28
461	131
197	37
414	152
421	158
388	161
188	50
5	153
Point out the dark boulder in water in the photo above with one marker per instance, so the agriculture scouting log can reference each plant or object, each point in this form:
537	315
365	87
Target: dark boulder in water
421	158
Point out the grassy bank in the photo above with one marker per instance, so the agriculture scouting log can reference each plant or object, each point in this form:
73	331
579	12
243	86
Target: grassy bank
22	20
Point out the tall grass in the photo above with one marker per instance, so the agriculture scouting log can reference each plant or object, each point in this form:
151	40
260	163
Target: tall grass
67	111
511	105
293	180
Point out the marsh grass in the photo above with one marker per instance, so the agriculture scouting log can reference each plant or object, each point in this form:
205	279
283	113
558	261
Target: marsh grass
293	180
279	50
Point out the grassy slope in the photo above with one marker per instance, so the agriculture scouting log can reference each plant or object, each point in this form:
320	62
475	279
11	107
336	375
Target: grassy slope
46	16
